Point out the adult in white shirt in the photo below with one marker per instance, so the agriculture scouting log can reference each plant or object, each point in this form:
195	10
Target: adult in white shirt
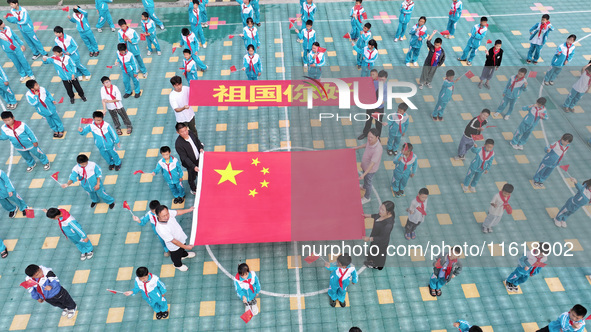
179	101
173	235
111	97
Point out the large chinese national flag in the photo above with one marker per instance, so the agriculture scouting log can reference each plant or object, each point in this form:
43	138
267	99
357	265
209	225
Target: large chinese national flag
252	197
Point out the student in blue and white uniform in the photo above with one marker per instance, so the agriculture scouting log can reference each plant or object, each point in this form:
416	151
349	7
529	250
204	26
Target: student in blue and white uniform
44	103
554	154
10	200
149	28
72	230
418	33
66	70
172	172
564	54
89	174
195	22
70	48
152	290
129	68
406	8
150	217
20	16
14	48
102	6
80	18
476	36
6	92
455	13
105	139
580	199
538	37
251	64
24	141
131	39
149	8
516	85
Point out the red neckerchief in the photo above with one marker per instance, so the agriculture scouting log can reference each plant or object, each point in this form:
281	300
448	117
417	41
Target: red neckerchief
246	281
307	9
251	32
250	64
39	290
65	215
421	208
62	39
537	114
146	285
187	65
41	101
485	158
12	47
479	122
455	8
155	220
369	58
317	57
308	31
110	93
408	4
479	28
495	56
407	159
14	126
189	44
434	58
567	51
359	13
504	199
123	61
449	266
531	273
542	27
18	15
80	17
400	124
243	7
342	276
168	167
101	129
563	150
61	62
146	25
84	175
515	81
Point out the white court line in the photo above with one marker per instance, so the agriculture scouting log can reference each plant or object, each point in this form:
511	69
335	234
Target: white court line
197	200
548	143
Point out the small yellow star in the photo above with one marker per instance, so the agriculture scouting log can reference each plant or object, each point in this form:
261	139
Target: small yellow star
255	162
228	174
264	184
265	170
252	192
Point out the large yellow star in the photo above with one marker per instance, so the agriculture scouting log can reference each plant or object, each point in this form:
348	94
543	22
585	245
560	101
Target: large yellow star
228	174
255	162
265	170
252	192
264	184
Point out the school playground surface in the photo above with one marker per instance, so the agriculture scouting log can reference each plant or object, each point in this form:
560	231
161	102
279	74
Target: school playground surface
394	299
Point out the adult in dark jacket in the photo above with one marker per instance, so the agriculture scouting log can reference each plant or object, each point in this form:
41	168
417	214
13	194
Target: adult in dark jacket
434	60
188	147
380	235
494	57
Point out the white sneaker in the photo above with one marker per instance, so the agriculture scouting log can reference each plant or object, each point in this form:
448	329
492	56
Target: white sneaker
145	75
30	168
563	224
89	255
99	30
149	53
365	200
87	78
464	188
420	87
22	79
506	117
497	114
255	309
468	63
82	257
32	77
159	53
80	78
472	189
514	146
415	64
305	65
162	27
456	157
113	30
72	312
182	268
35	57
408	64
520	147
65	312
190	254
205	45
429	85
557	222
193	192
396	39
46	167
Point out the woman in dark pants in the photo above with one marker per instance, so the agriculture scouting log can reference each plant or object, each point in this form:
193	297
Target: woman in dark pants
380	235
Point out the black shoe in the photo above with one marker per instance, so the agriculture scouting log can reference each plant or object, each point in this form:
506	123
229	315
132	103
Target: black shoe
127	95
175	200
362	136
12	214
158	315
390	152
71	100
83	98
164	314
117	167
439	118
528	61
395	153
181	200
96	53
332	303
111	167
112	205
434	118
24	213
91	54
137	95
343	304
93	204
401	192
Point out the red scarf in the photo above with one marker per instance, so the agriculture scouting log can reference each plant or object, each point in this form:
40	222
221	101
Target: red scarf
479	28
18	16
342	276
250	64
455	8
421	208
246	281
449	267
307	9
515	81
251	32
146	26
434	58
406	160
369	58
12	47
39	290
317	57
542	27
505	200
123	61
408	5
14	126
41	101
61	62
63	42
400	124
495	56
485	158
155	220
187	65
110	93
84	175
65	215
146	285
537	114
80	17
101	129
531	273
563	150
189	44
168	165
308	32
567	52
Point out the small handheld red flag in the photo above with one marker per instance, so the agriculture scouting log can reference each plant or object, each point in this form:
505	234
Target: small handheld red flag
347	36
86	121
142	36
181	68
290	25
532	74
490	126
292	20
28	283
489	41
564	167
173	49
478	137
54	175
231	36
364	15
246	316
375	115
30	213
61	100
311	259
588	317
66	9
109	67
321	49
115	291
469	74
444	33
233	69
126	206
139	171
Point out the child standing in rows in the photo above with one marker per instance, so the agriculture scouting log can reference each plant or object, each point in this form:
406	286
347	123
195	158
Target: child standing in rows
476	36
406	8
397	126
564	54
72	231
479	165
405	168
416	213
580	199
248	286
498	205
173	174
529	265
364	38
89	174
494	57
434	60
516	85
538	37
307	37
8	195
447	90
581	86
357	14
24	141
445	268
370	55
418	32
105	139
112	100
149	28
535	113
454	16
44	103
342	274
554	154
152	290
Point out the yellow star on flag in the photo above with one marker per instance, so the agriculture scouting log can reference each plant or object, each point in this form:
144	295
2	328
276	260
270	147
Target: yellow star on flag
228	174
265	170
252	192
264	184
255	162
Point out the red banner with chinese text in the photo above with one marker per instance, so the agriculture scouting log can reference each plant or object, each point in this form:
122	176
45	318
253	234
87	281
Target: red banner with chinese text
274	93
